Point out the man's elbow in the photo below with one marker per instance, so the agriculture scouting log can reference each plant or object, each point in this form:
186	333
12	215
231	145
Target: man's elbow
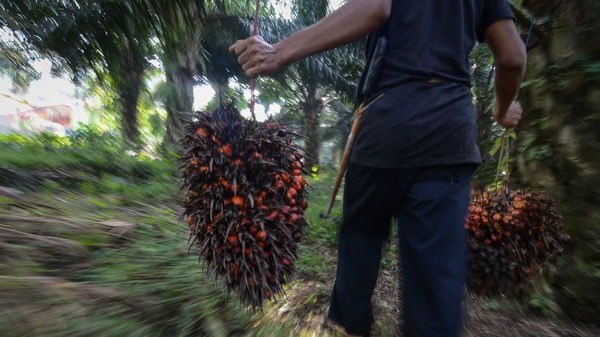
514	59
506	45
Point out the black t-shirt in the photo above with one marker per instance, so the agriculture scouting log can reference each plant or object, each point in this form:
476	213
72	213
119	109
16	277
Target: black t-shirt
418	123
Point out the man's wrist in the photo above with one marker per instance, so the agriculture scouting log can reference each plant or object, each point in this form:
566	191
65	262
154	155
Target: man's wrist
280	55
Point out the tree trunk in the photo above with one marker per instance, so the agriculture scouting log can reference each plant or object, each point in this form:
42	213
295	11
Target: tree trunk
558	143
179	102
128	96
484	117
182	53
129	93
311	108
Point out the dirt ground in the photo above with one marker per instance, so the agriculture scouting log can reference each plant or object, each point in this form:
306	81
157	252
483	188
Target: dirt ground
487	322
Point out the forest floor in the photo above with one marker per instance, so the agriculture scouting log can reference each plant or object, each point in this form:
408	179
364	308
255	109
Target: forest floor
308	300
77	255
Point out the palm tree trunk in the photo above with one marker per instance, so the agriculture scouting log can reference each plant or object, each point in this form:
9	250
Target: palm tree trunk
182	52
484	121
179	102
128	96
312	110
129	93
558	142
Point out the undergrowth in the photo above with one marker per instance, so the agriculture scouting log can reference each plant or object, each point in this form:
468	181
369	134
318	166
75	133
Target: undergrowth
97	248
321	236
72	269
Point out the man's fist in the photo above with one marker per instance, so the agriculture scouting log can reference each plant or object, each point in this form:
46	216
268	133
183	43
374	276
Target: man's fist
511	117
256	56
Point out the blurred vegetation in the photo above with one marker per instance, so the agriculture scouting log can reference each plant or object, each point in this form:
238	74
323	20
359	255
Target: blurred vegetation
321	236
88	159
87	268
557	144
90	244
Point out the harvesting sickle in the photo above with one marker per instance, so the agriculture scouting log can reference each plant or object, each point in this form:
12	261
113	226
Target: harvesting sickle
346	158
366	86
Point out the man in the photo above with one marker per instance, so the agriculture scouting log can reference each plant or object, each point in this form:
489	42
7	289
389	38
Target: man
415	153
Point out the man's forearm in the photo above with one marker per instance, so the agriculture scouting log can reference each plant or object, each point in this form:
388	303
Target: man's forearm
352	21
507	83
510	57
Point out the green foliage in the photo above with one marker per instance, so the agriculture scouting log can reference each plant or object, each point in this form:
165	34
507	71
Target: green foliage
558	142
84	36
87	159
90	278
322	233
15	60
85	281
323	230
91	267
182	298
492	305
544	304
589	66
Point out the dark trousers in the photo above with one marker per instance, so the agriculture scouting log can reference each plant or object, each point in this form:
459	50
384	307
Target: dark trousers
430	205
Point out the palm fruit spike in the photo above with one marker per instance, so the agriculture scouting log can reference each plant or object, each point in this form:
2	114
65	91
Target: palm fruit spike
510	237
244	201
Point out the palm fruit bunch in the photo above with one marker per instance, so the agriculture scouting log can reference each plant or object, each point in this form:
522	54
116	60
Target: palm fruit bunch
244	201
511	236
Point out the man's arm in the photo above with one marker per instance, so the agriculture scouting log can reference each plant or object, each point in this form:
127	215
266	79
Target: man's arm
510	57
352	21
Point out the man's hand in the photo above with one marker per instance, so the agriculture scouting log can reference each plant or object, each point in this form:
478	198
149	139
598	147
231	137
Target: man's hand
511	117
256	56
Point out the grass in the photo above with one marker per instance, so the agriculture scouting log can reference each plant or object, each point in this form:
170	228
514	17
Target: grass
66	272
320	236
